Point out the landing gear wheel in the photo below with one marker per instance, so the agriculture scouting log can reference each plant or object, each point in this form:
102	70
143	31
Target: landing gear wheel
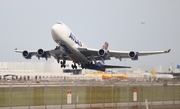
74	66
83	66
63	64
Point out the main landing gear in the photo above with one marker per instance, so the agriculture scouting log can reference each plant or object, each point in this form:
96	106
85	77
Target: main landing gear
83	66
63	63
74	66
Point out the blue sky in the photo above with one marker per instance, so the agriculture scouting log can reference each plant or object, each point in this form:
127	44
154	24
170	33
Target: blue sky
27	25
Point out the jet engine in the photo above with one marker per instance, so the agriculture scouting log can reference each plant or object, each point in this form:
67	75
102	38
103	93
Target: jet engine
41	53
26	54
103	53
133	55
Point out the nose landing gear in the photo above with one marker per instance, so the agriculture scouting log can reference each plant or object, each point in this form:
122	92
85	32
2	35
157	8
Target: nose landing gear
63	64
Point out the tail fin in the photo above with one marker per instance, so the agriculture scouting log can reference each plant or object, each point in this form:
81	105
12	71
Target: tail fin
105	46
153	72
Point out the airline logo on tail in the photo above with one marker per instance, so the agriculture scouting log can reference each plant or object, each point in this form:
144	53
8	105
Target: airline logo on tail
153	73
105	46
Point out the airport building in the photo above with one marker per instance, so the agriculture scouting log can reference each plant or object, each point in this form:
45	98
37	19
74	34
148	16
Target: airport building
44	67
53	68
48	66
40	68
171	70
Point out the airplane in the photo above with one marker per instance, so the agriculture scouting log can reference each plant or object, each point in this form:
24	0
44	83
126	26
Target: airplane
71	48
122	76
137	75
108	76
158	77
116	76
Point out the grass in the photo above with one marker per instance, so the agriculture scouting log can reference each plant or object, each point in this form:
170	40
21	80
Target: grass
86	94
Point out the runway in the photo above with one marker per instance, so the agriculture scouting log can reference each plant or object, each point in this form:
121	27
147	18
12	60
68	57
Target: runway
80	84
100	105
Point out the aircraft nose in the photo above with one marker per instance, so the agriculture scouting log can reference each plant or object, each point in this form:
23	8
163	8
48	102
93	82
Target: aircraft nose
55	29
56	32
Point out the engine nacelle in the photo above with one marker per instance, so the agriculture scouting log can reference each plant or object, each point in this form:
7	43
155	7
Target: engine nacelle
26	54
133	55
103	53
41	53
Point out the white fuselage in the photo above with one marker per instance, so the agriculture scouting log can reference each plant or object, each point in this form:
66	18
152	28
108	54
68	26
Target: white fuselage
64	37
164	76
139	76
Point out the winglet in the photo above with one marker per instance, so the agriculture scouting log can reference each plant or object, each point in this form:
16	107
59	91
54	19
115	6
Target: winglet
168	51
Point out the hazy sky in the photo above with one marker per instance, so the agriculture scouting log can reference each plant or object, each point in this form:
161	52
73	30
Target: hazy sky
125	24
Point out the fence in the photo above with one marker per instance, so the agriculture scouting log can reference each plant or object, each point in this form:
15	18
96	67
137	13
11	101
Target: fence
88	94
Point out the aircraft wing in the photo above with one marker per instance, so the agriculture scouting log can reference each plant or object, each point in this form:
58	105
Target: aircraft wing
93	53
57	53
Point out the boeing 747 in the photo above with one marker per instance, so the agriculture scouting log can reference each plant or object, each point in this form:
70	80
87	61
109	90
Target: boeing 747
71	48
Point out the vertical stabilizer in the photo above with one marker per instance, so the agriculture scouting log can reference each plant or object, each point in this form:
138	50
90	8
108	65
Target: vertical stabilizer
153	73
105	46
